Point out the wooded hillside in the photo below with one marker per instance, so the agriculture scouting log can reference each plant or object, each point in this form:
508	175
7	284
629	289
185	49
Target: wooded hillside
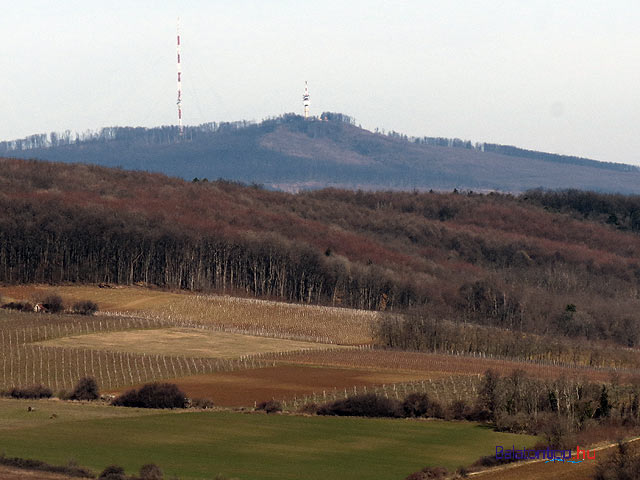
290	153
531	263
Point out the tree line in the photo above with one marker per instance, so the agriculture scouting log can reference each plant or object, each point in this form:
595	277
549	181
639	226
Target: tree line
423	333
43	243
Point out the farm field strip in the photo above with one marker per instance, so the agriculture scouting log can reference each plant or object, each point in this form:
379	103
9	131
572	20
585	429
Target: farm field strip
246	315
185	342
61	368
195	445
444	390
296	385
23	361
404	361
23	364
30	328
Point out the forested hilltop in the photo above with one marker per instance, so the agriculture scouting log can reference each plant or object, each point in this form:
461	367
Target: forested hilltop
565	264
291	153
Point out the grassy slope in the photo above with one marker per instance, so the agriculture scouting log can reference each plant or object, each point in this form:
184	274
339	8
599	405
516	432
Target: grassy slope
256	447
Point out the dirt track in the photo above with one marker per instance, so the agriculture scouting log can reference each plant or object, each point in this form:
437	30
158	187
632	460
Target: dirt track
539	470
7	473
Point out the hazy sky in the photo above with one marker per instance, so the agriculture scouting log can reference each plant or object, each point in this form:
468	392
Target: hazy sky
558	76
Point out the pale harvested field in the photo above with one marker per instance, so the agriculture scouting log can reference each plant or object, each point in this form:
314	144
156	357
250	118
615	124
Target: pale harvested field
262	317
186	342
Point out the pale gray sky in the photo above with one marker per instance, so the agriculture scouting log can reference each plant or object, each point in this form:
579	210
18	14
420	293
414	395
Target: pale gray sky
558	76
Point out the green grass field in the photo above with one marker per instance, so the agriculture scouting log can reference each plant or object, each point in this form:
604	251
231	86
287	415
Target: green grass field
199	445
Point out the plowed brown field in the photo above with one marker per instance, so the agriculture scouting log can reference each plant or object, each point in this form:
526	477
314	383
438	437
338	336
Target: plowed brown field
244	387
435	363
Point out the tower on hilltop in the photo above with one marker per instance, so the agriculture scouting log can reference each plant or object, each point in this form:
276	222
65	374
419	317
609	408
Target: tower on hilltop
179	102
305	100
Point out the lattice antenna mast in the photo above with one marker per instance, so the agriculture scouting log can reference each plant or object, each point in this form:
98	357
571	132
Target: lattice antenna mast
305	100
179	102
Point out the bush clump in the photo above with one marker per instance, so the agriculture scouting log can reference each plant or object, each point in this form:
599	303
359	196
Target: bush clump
367	405
20	306
203	403
151	471
271	406
86	307
53	303
153	395
429	473
459	410
416	405
310	408
113	472
86	389
34	391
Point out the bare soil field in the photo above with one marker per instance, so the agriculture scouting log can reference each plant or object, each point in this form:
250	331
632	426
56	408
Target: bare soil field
263	317
186	342
244	387
436	363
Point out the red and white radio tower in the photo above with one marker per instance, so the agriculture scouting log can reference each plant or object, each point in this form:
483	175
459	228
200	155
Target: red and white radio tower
179	85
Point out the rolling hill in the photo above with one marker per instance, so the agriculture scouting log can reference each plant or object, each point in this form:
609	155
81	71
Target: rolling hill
562	263
289	153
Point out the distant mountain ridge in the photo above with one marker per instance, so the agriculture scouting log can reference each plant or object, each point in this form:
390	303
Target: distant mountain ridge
291	153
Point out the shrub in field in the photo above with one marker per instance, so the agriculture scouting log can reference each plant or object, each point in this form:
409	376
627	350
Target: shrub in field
153	395
86	307
202	403
310	408
415	405
518	423
429	473
492	461
53	303
113	472
34	391
459	410
435	410
63	394
151	471
368	405
271	406
86	389
20	306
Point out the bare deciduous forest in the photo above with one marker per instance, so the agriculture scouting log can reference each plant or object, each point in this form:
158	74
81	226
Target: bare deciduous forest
562	264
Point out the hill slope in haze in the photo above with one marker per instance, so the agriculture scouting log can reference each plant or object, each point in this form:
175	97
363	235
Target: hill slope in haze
564	264
290	153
